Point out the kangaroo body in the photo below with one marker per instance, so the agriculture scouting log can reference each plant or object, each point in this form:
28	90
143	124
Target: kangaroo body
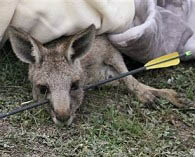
64	66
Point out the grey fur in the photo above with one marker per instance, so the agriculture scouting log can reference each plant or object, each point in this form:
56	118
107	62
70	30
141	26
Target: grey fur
65	79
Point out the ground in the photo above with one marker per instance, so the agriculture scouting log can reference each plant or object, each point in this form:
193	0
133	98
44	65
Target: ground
110	122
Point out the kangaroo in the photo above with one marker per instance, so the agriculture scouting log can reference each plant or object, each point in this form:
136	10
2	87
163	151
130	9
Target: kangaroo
61	68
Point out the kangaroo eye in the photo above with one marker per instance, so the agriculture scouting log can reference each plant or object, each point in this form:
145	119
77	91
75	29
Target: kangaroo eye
43	89
75	85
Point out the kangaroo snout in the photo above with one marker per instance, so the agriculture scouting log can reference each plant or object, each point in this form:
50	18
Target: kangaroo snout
62	115
61	106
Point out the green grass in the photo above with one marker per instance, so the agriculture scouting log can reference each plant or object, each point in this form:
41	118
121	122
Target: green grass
110	122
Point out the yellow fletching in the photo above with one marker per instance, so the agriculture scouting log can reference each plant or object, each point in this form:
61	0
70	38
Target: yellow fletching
165	61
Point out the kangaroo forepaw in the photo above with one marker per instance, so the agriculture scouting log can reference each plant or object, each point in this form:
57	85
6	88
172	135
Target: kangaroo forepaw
149	95
179	100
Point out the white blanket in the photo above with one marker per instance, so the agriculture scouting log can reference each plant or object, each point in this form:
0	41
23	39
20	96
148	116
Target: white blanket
158	30
49	19
142	29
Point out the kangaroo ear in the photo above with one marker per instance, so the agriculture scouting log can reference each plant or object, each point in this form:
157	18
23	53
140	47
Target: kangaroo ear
26	48
81	43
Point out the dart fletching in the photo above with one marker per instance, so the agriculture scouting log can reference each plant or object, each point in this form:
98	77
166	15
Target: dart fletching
164	61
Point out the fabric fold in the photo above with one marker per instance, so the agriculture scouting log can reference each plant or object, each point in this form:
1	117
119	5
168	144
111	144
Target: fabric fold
156	31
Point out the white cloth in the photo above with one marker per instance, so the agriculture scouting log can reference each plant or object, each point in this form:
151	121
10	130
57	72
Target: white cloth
46	20
158	30
142	29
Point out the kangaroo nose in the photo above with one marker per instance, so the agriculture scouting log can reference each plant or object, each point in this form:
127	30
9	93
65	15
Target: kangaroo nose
62	115
60	100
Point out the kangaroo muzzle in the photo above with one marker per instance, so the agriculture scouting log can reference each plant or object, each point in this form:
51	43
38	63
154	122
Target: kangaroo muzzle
61	105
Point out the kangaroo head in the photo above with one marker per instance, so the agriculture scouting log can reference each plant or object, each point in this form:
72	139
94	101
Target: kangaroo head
54	69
